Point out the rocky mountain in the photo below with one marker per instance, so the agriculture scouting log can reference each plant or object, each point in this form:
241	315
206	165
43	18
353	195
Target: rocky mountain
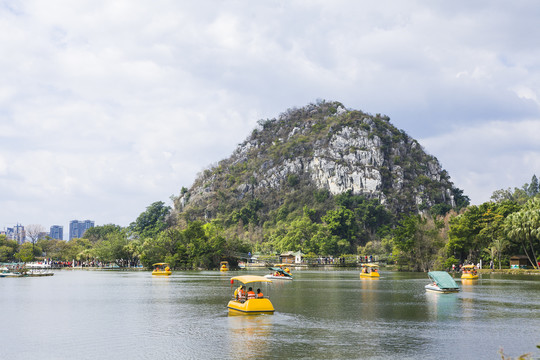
319	150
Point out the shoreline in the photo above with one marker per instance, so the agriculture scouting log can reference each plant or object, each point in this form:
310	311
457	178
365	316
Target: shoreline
510	271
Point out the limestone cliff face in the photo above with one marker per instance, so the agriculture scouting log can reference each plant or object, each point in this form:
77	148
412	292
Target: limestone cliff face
324	146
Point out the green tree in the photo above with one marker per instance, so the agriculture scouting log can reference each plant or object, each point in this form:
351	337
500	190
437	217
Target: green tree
52	248
8	249
417	239
492	224
76	249
341	223
116	247
98	233
473	231
463	231
27	252
533	187
499	244
440	209
502	195
158	249
150	222
462	201
524	227
298	235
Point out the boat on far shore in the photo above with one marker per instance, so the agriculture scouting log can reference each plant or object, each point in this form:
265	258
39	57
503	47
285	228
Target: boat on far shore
28	270
161	269
224	266
38	269
6	272
469	272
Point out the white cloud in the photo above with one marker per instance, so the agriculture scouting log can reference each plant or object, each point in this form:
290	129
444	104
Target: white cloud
106	106
488	157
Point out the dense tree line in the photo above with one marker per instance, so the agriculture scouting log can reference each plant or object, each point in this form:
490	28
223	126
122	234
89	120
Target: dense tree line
493	231
149	239
344	224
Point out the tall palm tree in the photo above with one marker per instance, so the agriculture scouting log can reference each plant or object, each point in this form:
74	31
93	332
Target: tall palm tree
499	244
523	226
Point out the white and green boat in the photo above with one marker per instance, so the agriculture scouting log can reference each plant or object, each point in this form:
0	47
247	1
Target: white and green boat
442	282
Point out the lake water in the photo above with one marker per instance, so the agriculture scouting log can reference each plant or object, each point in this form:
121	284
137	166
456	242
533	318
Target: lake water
79	314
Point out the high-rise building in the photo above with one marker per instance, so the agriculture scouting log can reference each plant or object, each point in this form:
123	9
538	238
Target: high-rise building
77	228
57	232
16	233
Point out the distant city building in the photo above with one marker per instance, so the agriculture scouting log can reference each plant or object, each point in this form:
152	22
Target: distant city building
57	232
16	233
77	228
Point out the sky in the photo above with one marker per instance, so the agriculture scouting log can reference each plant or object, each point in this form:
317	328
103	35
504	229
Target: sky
109	106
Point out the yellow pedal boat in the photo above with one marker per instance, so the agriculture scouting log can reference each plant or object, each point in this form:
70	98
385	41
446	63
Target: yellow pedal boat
469	272
161	269
224	266
369	270
245	300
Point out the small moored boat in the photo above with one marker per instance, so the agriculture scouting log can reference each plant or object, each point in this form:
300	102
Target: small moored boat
5	272
161	269
369	270
441	282
469	272
247	300
278	274
38	269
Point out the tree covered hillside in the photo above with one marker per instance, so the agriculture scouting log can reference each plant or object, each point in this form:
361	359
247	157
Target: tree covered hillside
320	179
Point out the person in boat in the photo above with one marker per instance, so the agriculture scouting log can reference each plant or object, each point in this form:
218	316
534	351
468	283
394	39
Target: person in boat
167	268
250	294
240	293
259	294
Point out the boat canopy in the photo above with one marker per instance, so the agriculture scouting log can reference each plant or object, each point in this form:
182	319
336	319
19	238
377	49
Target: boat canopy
370	265
246	279
468	267
280	270
159	264
443	279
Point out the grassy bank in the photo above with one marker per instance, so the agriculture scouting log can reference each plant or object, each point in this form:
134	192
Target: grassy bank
510	271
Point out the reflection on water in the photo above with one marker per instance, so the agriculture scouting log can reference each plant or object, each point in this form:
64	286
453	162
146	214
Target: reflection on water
467	283
441	306
320	314
249	335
